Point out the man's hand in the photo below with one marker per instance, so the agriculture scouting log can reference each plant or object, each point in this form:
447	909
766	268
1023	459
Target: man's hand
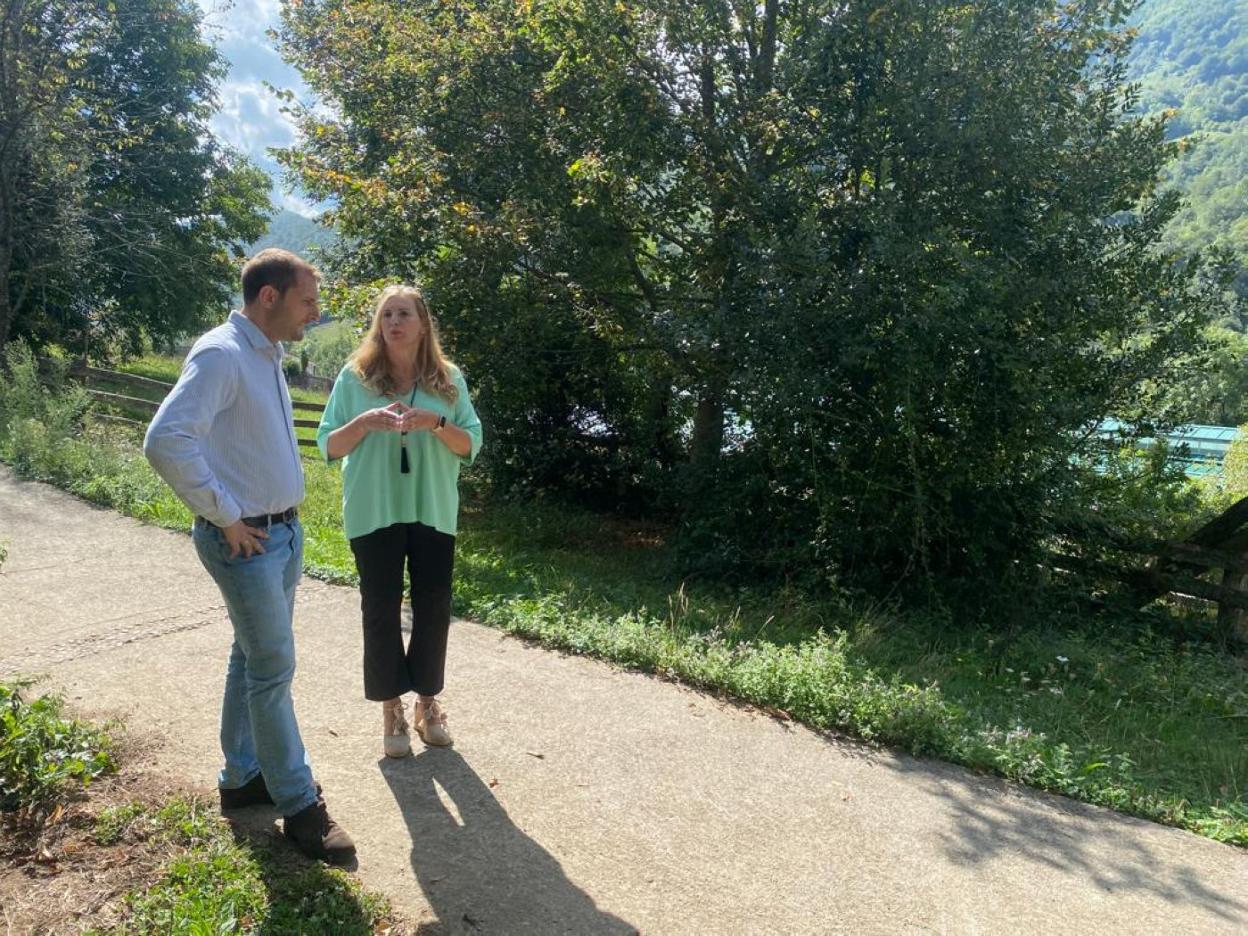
244	539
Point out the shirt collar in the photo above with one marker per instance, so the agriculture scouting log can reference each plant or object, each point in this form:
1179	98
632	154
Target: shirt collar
255	337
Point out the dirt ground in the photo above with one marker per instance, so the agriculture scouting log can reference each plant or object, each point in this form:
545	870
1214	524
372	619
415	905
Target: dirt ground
55	877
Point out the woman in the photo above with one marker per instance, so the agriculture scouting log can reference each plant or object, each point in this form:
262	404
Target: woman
400	418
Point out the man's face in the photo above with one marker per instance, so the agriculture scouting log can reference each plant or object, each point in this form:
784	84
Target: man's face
295	309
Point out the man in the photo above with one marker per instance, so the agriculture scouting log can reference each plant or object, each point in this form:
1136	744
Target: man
224	440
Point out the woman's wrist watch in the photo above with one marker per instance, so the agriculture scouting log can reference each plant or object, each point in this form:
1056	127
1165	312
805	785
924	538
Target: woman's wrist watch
440	424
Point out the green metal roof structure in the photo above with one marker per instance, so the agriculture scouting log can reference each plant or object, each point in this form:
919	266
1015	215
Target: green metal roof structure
1200	449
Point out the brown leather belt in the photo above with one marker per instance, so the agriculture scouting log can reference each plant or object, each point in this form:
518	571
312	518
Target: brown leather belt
264	521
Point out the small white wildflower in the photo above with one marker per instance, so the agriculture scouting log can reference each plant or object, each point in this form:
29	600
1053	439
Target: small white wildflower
1056	690
1062	659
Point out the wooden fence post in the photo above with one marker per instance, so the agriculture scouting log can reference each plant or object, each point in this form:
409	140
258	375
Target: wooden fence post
1233	621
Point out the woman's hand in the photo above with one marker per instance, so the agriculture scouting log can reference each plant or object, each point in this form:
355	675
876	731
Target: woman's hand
343	440
418	420
383	418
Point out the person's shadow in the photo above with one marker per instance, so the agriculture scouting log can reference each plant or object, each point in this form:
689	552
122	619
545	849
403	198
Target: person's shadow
479	872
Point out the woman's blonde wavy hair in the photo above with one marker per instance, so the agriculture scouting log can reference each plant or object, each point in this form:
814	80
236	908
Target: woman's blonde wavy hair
433	369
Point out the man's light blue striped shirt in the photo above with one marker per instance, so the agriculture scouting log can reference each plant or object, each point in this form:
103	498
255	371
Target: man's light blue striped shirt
224	438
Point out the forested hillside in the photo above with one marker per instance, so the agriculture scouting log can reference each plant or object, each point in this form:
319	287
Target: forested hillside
292	231
1192	55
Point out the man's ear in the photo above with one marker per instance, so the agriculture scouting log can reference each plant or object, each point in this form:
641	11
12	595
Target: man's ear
268	296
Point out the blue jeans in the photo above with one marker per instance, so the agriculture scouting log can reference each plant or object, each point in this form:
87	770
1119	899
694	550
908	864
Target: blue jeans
259	733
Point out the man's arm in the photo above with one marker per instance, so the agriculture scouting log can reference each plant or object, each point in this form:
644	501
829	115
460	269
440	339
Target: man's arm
175	439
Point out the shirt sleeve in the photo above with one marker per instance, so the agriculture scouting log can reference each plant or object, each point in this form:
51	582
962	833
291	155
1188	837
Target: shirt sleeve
337	412
466	418
175	440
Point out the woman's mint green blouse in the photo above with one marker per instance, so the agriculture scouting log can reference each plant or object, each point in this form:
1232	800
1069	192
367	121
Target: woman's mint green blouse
375	494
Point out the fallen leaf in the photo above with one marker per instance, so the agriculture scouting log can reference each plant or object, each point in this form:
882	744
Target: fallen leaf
535	754
493	782
332	732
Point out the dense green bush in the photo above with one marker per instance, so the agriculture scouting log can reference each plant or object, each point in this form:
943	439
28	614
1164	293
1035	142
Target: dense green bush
42	753
1141	492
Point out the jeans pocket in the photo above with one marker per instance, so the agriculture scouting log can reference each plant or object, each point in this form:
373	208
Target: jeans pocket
211	542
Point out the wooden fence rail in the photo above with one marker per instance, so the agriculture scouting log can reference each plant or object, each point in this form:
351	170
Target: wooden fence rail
1173	566
136	384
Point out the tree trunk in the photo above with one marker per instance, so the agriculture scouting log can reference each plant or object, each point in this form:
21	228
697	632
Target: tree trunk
658	410
6	312
708	430
767	51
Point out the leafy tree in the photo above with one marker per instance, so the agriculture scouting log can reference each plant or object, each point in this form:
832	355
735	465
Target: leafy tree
835	281
1214	389
118	211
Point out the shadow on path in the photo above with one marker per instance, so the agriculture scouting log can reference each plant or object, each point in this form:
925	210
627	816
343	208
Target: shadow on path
991	819
480	873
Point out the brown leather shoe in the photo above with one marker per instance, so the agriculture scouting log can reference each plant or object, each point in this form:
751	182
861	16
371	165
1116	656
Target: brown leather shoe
317	835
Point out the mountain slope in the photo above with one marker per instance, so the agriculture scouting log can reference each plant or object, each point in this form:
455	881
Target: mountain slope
1192	55
292	231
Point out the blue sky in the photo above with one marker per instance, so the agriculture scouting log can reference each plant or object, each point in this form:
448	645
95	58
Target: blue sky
250	118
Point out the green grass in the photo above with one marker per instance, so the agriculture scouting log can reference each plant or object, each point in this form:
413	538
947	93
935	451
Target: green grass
214	882
1110	709
152	366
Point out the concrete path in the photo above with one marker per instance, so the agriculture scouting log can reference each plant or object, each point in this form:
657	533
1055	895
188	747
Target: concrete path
582	799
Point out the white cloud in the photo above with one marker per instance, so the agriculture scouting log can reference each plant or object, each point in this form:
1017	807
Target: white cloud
301	205
250	118
228	18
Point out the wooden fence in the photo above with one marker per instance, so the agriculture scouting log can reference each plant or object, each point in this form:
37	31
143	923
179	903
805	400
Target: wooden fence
1218	549
141	392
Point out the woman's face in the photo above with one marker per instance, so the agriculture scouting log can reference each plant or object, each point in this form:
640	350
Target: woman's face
401	325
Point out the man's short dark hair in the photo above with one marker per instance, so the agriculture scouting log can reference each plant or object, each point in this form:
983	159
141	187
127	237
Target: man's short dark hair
272	267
